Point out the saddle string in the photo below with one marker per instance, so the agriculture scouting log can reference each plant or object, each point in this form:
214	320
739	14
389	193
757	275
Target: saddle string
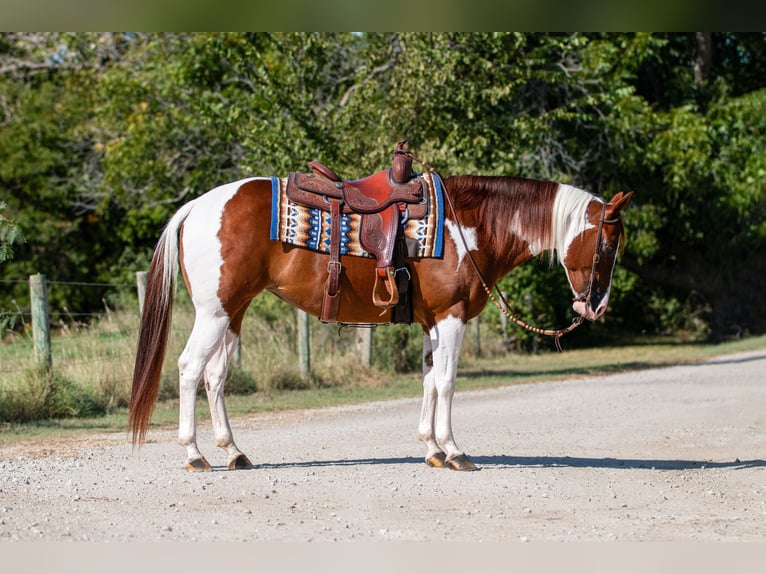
505	307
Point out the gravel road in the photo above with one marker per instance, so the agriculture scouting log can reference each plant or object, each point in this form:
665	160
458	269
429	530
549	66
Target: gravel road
674	454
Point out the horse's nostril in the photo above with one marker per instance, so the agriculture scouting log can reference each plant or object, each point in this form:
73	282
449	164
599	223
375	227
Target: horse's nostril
601	309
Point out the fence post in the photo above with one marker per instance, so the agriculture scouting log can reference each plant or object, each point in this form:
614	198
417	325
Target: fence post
304	348
476	328
504	327
364	345
141	277
236	359
41	334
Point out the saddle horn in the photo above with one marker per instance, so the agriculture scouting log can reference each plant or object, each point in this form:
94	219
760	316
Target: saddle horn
401	170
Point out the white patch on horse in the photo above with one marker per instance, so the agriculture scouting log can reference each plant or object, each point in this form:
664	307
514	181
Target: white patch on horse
570	217
471	240
534	244
202	246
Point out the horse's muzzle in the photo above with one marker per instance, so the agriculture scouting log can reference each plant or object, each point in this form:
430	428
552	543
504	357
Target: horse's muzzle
586	311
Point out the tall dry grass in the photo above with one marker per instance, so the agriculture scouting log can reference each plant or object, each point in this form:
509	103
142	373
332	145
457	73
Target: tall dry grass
93	364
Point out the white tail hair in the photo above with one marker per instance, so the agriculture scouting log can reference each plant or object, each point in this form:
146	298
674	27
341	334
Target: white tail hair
168	241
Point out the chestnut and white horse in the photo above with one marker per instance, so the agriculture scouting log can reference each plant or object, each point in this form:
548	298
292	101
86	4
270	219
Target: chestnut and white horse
220	241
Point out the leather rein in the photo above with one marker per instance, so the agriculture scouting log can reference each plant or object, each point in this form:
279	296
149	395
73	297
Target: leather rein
500	301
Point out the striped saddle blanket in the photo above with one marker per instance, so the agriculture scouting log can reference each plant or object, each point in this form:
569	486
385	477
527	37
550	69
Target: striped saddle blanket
308	227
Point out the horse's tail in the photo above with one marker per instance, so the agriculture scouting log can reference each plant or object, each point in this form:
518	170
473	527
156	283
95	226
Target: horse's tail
155	326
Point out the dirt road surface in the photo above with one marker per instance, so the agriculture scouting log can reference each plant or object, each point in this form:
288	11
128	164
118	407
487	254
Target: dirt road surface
676	454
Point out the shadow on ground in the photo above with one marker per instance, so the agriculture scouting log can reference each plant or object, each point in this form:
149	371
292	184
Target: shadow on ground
507	461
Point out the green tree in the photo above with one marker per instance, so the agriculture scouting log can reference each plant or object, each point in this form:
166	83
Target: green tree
9	234
105	135
45	90
699	185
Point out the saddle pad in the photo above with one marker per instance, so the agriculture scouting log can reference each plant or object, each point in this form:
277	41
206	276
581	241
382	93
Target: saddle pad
306	227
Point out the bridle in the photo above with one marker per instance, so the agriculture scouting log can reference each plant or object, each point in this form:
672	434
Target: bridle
500	301
585	297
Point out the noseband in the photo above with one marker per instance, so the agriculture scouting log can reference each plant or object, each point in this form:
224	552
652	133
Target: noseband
585	296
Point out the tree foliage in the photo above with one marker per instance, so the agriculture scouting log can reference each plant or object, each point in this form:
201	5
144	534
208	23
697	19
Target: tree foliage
103	136
9	234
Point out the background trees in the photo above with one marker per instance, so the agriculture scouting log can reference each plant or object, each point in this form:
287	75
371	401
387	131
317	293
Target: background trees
9	234
102	136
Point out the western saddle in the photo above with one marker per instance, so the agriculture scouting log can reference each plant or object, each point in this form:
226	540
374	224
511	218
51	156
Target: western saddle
382	200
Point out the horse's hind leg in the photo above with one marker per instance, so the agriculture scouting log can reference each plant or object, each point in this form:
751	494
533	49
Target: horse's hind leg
206	341
215	377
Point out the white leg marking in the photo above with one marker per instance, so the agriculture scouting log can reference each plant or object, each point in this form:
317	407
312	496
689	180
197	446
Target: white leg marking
435	428
428	411
215	377
205	340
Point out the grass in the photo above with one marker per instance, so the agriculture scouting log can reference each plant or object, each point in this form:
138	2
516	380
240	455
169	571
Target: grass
271	384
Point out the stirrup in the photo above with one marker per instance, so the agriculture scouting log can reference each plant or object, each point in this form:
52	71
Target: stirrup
386	276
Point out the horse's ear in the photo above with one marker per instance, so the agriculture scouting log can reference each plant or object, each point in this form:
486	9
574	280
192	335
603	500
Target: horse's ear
619	202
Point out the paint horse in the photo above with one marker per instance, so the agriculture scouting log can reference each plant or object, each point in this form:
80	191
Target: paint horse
221	242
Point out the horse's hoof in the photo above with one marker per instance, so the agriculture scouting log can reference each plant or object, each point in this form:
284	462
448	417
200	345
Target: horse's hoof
460	462
240	462
436	460
198	465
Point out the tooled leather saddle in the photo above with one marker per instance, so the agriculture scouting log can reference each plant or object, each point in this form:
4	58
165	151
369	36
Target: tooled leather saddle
383	200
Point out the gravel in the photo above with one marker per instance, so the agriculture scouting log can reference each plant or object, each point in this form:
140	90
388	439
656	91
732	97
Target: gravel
659	455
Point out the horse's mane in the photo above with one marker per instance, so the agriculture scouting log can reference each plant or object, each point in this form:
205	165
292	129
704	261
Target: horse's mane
498	201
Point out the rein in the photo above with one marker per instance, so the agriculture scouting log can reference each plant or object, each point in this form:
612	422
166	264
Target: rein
505	306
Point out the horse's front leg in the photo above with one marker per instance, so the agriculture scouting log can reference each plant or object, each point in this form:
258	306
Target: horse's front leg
441	351
215	377
426	433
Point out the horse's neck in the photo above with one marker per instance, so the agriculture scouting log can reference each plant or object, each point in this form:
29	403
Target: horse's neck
513	216
521	218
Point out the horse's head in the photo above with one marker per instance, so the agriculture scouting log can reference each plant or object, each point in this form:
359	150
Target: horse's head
591	255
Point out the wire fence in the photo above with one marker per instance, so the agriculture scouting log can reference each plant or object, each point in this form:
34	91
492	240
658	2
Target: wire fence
81	350
100	346
63	316
91	355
